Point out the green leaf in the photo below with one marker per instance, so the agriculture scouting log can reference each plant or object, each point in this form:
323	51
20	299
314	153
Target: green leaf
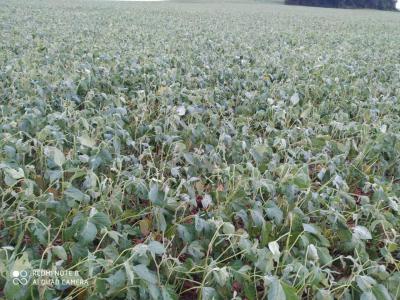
78	251
115	235
206	201
228	228
16	287
22	263
221	275
312	252
156	248
145	274
323	295
302	180
196	250
324	256
257	218
75	194
129	271
311	229
86	141
17	291
274	212
290	292
259	152
12	176
89	232
381	293
276	291
154	291
168	294
100	219
159	218
184	233
55	155
208	293
156	196
365	283
60	252
368	296
265	260
274	248
116	281
361	233
295	99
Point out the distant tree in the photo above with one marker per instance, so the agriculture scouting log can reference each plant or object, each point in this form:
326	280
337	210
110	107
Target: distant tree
374	4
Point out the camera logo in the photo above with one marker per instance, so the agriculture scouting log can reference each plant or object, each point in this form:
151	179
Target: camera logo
20	277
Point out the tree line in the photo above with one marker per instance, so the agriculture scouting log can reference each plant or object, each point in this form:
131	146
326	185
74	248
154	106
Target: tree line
374	4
